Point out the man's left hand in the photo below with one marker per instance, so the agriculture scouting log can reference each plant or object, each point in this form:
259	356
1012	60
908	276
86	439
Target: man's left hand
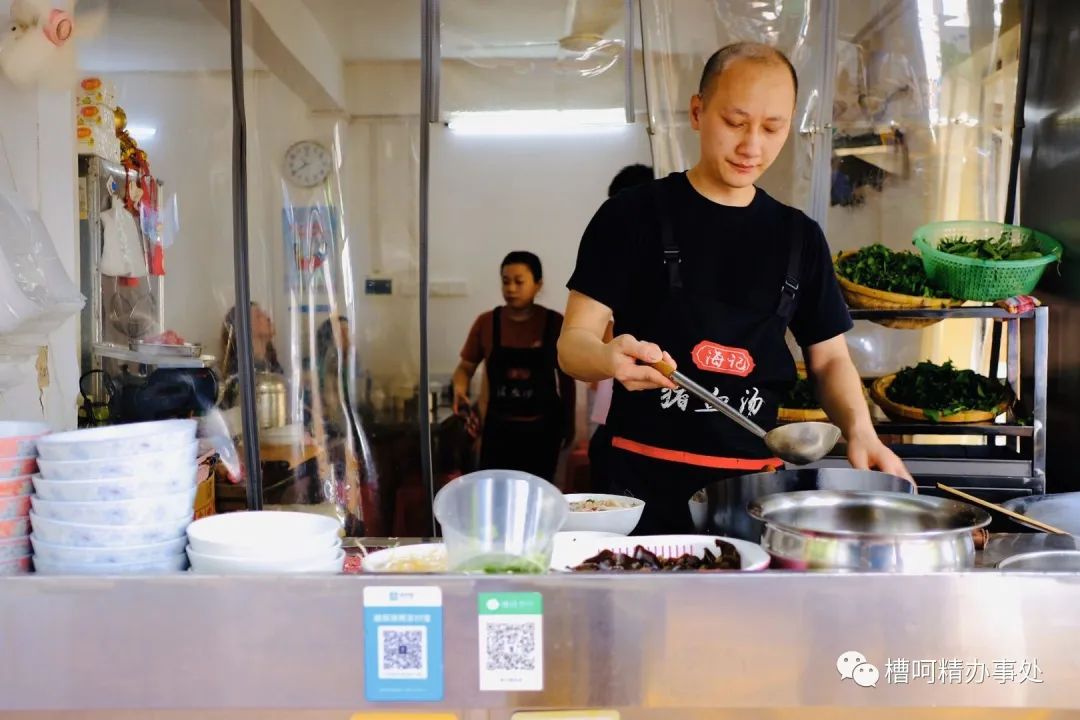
870	453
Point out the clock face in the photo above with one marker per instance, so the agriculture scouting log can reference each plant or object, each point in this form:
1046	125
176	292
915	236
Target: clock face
307	163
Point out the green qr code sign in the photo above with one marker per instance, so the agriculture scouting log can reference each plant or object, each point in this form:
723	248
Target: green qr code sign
510	603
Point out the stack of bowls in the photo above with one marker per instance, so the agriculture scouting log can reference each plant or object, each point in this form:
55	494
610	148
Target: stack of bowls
246	543
18	463
114	500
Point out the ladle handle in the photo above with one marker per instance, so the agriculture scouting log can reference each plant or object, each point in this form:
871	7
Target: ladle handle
707	397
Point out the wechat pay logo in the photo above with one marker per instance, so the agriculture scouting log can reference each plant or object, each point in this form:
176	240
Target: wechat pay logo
853	666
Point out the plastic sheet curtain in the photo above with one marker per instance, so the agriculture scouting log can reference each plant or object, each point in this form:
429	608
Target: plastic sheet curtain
904	117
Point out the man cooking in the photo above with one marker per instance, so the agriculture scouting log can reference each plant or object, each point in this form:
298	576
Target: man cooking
706	271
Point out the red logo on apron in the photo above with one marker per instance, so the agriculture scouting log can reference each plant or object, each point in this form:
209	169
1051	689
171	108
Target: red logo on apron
713	357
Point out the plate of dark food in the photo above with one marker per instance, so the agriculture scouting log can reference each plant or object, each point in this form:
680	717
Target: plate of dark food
666	553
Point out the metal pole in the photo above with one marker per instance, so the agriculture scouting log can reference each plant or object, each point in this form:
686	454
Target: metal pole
429	113
245	365
628	63
1026	26
821	172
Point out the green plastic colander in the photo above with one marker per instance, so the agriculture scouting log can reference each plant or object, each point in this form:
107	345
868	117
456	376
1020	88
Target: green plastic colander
975	279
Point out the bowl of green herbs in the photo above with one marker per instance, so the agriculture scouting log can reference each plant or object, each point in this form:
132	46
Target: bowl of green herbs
983	260
929	392
878	278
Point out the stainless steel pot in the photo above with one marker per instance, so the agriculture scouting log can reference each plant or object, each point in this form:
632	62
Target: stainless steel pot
868	531
271	400
1045	561
720	509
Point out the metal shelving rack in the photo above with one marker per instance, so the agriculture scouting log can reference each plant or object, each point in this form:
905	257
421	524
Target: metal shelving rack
1012	462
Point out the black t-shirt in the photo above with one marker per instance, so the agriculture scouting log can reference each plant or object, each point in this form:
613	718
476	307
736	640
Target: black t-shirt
738	255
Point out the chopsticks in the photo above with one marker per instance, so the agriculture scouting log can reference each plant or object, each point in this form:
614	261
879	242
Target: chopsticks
1022	519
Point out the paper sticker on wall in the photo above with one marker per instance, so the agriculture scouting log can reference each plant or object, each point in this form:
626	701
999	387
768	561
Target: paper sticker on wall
568	715
403	644
511	641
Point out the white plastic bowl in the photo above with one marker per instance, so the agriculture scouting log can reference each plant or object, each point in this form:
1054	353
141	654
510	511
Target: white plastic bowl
144	511
16	566
145	465
170	482
19	439
218	565
21	485
15	507
59	532
68	555
13	467
118	440
15	527
14	548
172	564
621	521
263	534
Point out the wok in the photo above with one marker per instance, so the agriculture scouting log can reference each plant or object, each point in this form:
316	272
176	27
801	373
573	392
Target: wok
720	508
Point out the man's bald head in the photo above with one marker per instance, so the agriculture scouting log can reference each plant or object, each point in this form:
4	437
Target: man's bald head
750	51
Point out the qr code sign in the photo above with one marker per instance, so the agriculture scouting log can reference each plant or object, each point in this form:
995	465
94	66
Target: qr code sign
511	645
403	652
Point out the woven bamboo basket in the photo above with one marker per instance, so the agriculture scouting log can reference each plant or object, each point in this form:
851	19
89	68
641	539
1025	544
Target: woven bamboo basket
866	298
896	411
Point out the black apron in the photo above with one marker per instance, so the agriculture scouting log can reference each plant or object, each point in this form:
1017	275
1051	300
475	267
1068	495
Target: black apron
668	444
524	420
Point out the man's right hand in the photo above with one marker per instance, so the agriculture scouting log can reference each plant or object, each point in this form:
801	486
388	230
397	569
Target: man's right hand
624	357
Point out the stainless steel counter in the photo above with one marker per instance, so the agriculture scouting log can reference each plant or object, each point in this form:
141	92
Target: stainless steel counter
704	646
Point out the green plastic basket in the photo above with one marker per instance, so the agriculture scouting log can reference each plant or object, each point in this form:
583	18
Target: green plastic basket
987	280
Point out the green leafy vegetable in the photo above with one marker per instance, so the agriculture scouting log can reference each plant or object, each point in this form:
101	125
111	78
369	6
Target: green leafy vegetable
1003	247
940	390
880	268
801	396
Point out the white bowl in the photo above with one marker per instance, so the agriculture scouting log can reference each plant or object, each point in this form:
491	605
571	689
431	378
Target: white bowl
21	485
15	507
20	438
143	511
148	464
171	481
621	521
17	565
14	548
171	564
117	440
13	467
218	565
263	534
421	558
752	557
565	550
107	555
59	532
327	567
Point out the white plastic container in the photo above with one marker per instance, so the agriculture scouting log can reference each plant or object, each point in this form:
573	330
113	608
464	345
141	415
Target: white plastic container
118	440
14	507
73	555
173	564
16	566
146	464
169	482
14	467
143	511
263	534
59	532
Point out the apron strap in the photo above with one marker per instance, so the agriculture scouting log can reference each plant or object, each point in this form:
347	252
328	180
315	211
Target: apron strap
667	238
496	328
790	289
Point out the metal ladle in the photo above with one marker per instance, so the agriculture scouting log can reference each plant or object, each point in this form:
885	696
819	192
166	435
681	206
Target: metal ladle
797	443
